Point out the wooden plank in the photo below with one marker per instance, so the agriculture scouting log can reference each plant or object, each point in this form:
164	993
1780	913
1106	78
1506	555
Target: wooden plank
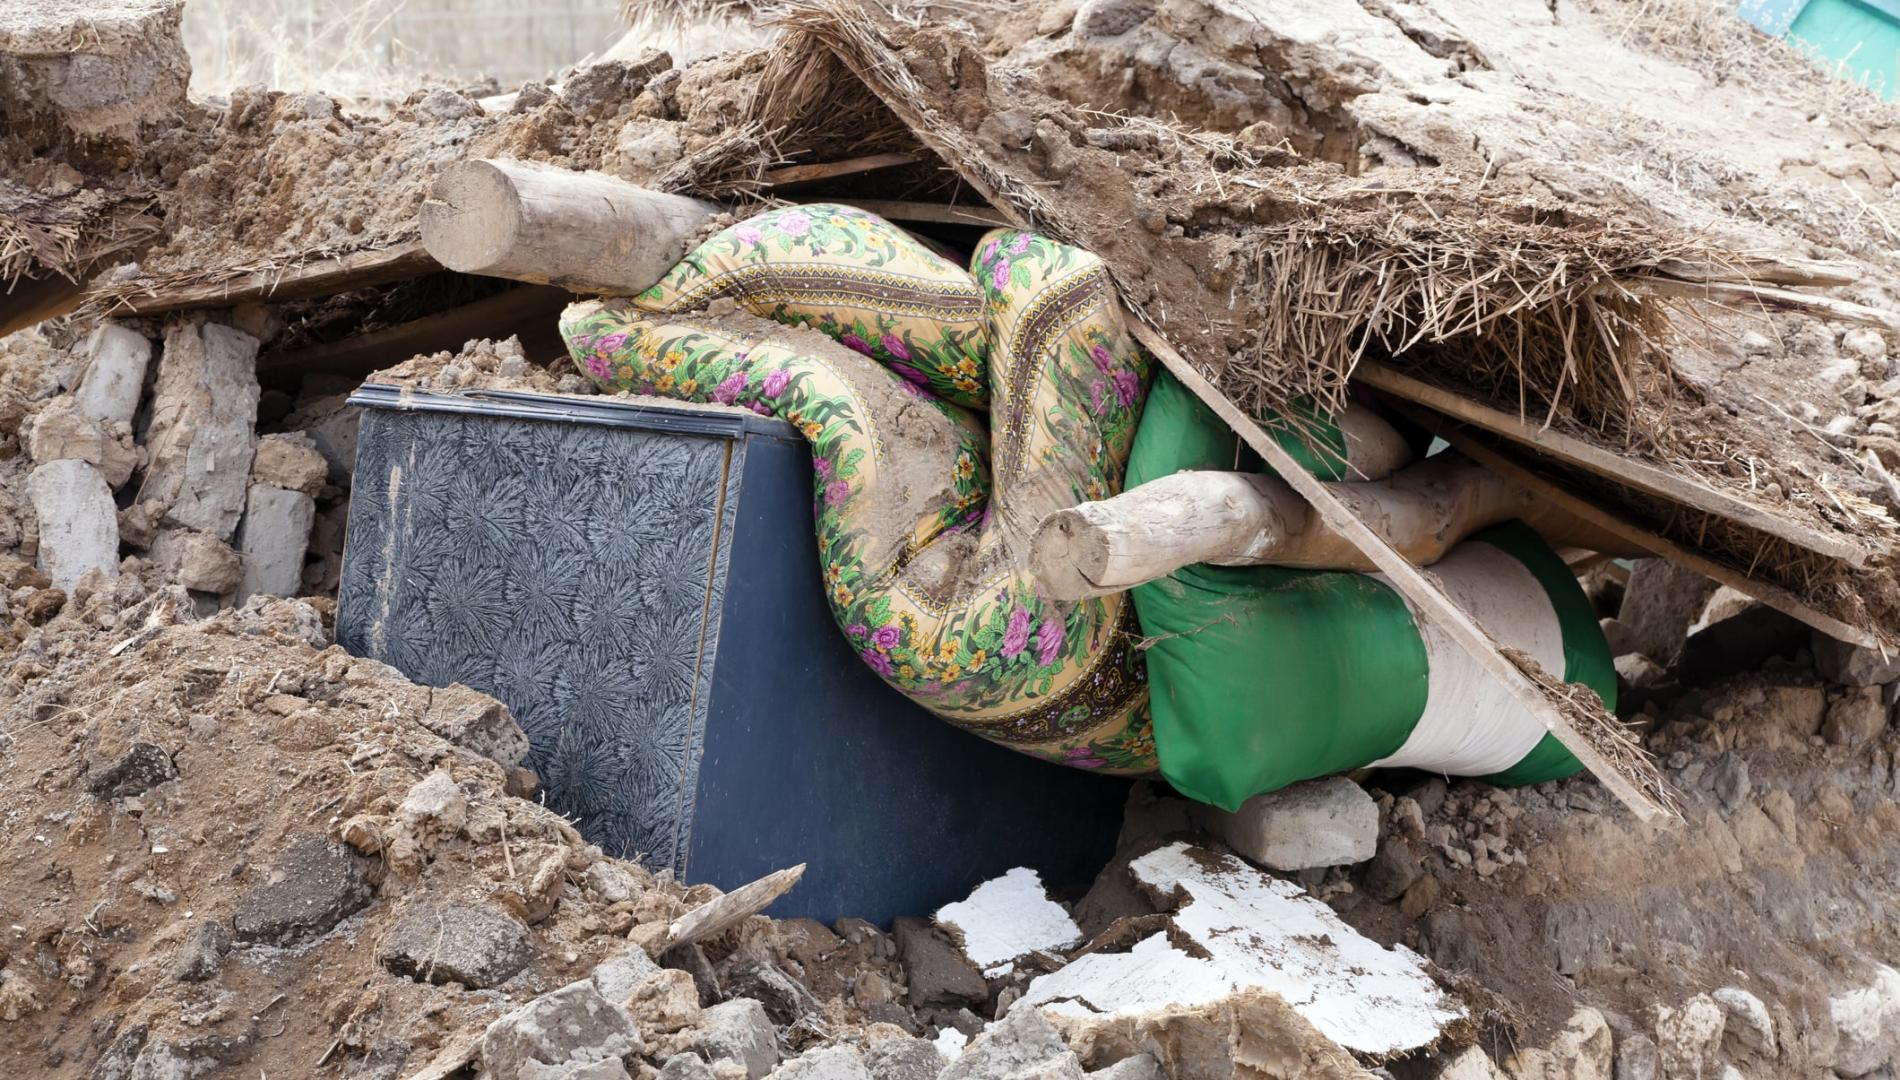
516	312
1412	583
725	911
321	277
934	213
826	170
1465	441
1675	487
34	300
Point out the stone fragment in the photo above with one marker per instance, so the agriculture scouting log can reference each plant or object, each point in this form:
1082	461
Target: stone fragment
115	373
1021	1039
1868	1023
471	944
1392	870
692	960
737	1031
785	1000
1740	644
1640	671
1749	1026
61	432
1329	822
1660	603
606	1069
275	536
204	407
1581	1051
202	953
665	1001
79	525
1636	1058
1798	709
1139	1067
903	1059
197	560
141	768
1855	717
1729	777
617	976
1062	1067
940	975
291	461
825	1063
313	884
1689	1039
1852	665
477	723
1469	1063
688	1067
570	1026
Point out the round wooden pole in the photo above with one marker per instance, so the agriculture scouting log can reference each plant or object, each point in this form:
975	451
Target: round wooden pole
585	231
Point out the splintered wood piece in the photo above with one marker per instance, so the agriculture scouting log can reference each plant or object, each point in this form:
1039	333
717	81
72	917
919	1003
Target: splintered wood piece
1763	298
825	170
318	277
1414	584
1763	270
587	231
1676	487
1477	449
741	903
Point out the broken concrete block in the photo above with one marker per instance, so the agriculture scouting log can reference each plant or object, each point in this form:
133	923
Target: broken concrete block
197	560
204	407
1470	1063
786	1001
825	1063
1852	665
617	976
1581	1051
570	1026
471	944
115	373
1250	930
275	536
665	1001
309	887
1640	671
903	1059
1021	1039
61	431
1329	822
1008	917
1855	717
79	525
1689	1039
477	723
939	974
738	1031
687	1067
1139	1067
95	69
290	461
607	1069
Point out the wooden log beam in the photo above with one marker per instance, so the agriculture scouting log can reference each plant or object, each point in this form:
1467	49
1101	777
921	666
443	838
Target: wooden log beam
1468	442
1636	786
586	231
932	213
276	282
1676	487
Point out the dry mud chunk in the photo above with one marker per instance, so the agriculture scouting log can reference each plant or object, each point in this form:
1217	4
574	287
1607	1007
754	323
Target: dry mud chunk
313	884
290	461
477	723
940	975
474	945
203	952
141	768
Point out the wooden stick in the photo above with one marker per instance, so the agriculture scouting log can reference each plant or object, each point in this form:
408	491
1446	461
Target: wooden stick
1414	584
743	902
1765	297
937	213
586	231
1675	487
320	277
826	170
1763	270
1251	519
1465	441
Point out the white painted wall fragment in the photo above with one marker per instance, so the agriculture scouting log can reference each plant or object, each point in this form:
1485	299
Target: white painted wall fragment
1257	931
1008	917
